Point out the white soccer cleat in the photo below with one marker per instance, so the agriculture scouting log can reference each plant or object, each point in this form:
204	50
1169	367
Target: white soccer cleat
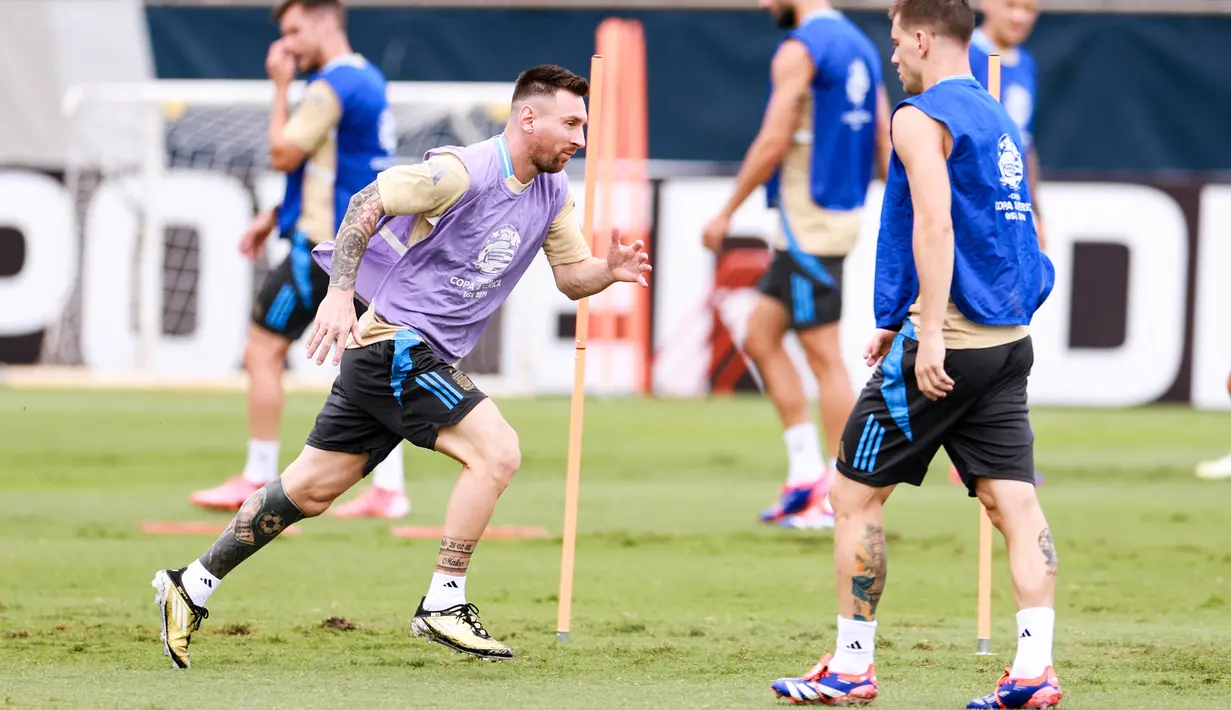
1216	469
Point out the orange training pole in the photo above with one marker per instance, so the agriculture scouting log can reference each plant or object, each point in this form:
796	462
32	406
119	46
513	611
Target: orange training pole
573	480
611	46
639	204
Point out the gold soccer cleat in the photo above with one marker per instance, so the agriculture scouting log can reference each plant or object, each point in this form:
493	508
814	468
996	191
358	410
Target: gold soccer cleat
179	616
458	628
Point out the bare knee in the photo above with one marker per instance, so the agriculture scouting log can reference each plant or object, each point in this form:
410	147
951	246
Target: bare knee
762	343
316	478
312	500
824	351
264	352
500	458
1007	502
766	328
851	499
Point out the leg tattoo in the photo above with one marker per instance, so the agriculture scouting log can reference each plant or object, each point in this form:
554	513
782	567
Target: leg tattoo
1048	547
868	581
266	513
455	555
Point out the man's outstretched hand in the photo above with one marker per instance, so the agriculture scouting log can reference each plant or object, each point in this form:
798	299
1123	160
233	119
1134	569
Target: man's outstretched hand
628	263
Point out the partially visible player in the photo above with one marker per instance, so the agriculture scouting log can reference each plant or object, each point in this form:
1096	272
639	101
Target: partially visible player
474	219
824	130
959	275
1006	26
1218	468
331	147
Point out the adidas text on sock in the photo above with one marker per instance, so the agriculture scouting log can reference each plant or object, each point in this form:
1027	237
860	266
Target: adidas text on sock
856	646
1035	629
445	591
199	583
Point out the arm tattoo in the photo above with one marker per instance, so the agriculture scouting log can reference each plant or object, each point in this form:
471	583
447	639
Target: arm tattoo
262	517
455	555
868	581
1048	547
357	228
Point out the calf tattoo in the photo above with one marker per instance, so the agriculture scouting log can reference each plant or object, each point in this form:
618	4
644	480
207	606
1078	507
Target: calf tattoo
868	580
1048	547
455	555
266	513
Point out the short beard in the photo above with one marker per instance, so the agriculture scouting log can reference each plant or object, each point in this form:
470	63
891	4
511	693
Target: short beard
786	18
311	66
546	165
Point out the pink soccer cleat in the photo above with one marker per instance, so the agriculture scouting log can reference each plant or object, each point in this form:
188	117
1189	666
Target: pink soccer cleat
375	503
228	496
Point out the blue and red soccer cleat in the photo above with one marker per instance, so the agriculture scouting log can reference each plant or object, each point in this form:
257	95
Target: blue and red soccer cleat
822	687
1041	692
793	500
817	516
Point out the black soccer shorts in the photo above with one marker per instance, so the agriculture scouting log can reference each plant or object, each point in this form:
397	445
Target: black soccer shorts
810	287
894	432
292	293
390	391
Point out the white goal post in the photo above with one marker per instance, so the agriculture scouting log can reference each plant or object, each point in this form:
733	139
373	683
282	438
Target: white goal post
164	176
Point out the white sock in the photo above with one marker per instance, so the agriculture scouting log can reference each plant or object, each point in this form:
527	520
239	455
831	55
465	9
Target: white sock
856	646
803	454
445	591
389	474
199	583
262	465
1035	628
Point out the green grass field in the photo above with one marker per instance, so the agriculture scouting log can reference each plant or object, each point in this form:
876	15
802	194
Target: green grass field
682	599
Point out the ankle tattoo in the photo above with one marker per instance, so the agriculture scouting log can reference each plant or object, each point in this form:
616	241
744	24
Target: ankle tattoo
455	555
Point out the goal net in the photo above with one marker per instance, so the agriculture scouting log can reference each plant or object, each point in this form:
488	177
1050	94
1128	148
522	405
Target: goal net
165	176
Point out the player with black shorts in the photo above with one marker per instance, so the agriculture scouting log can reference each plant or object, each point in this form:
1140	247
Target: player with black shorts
334	143
959	275
286	304
435	248
825	130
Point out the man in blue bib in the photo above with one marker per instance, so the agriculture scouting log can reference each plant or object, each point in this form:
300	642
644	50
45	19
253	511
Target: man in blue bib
331	146
959	274
1006	25
825	130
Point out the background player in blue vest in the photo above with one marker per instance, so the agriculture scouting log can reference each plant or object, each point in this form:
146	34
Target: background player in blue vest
825	128
959	274
333	145
1006	26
